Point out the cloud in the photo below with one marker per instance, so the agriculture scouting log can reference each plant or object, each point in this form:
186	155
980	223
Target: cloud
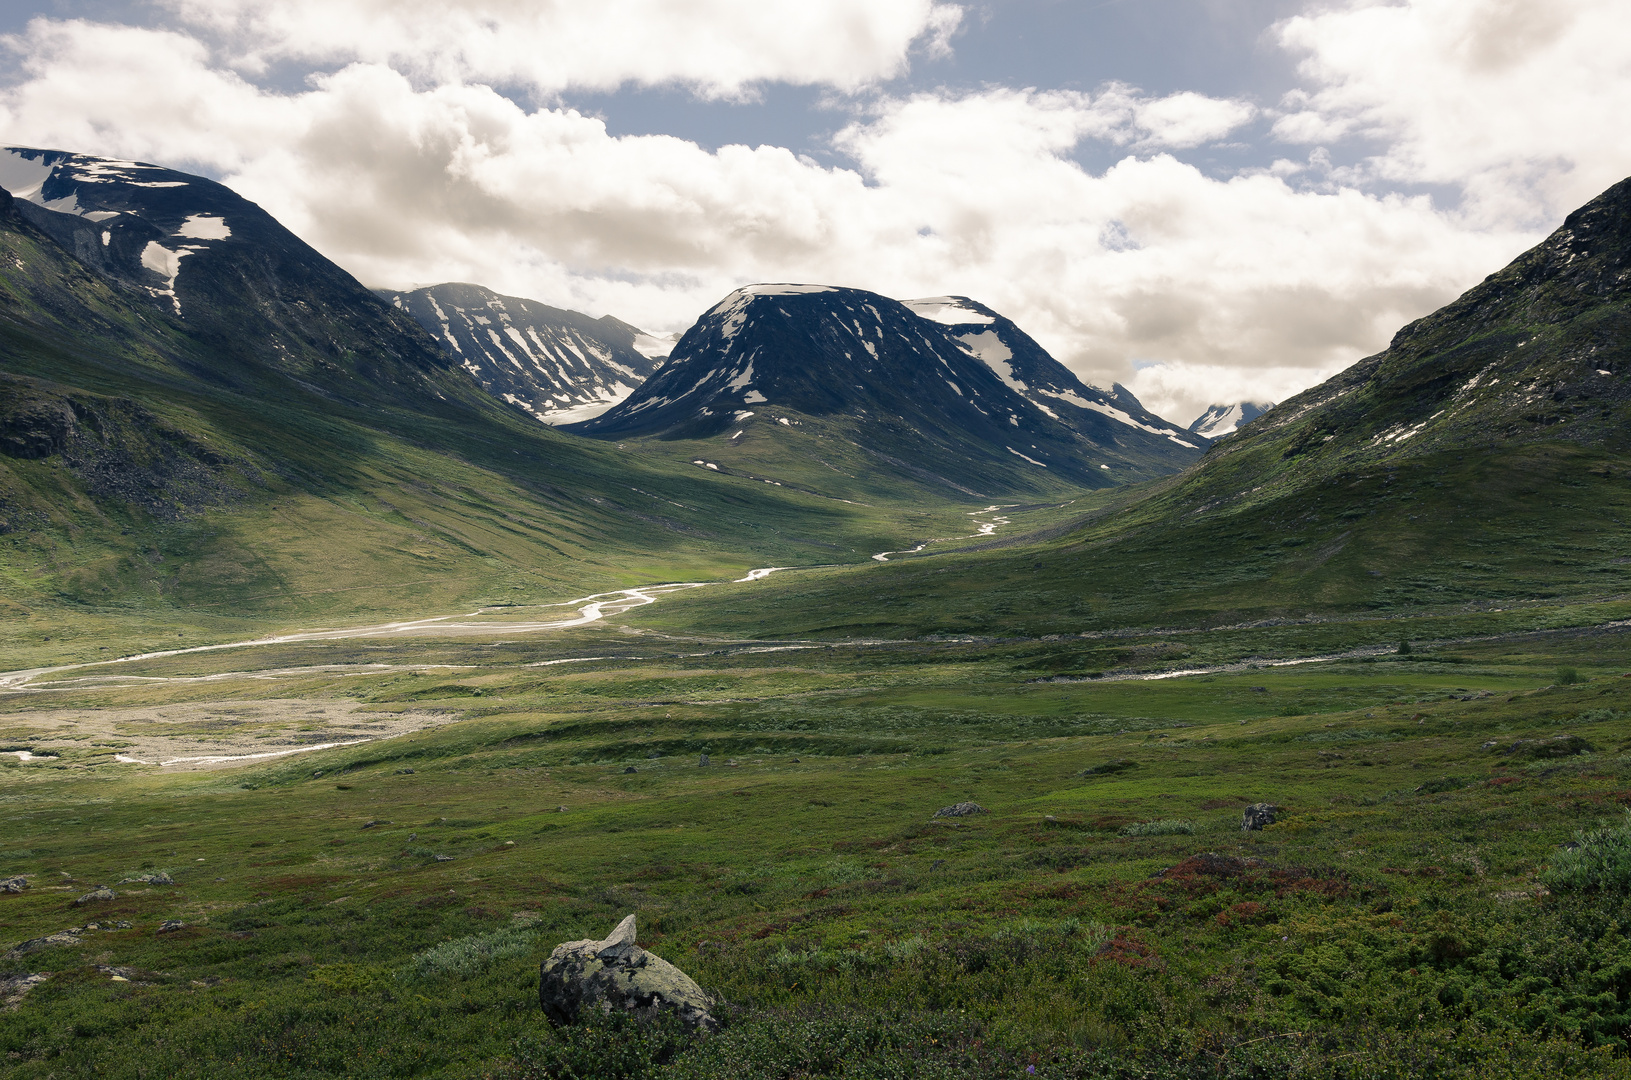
1188	119
720	48
1216	287
1172	389
1516	102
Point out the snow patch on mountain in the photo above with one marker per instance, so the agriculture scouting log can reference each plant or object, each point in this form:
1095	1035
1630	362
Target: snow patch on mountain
785	290
949	311
559	366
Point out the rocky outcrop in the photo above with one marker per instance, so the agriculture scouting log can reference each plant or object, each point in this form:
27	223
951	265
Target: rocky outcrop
1258	815
617	975
13	988
100	893
962	809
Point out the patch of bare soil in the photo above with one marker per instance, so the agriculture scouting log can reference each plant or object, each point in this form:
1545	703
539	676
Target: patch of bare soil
205	735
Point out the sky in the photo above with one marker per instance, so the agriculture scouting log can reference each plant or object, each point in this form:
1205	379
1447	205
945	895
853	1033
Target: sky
1204	200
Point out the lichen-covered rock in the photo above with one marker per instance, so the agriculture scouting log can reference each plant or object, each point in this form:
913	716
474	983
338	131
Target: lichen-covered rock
13	885
962	809
101	893
616	974
1258	815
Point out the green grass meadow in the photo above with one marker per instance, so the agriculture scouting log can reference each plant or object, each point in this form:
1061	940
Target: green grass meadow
380	910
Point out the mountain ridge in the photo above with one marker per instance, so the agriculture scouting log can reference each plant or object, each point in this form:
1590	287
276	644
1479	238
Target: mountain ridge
974	401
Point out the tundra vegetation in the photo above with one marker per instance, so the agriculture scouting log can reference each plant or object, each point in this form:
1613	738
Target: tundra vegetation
1444	891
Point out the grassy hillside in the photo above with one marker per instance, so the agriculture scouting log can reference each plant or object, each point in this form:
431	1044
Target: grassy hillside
152	485
1482	459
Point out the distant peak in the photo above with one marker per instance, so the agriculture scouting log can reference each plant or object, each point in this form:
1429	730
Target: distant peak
1220	420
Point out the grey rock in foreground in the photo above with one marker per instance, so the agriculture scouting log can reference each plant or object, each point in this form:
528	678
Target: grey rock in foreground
13	885
962	809
616	975
102	893
1258	815
13	988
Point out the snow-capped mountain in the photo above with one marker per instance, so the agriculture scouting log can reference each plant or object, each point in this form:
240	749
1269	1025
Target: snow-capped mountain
251	294
124	219
560	366
946	385
1220	420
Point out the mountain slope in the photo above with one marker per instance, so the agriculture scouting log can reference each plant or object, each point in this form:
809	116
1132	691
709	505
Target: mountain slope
1220	420
255	296
904	389
1026	368
1479	463
560	366
158	473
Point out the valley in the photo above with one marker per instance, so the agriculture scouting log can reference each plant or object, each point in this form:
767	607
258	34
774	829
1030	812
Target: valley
912	691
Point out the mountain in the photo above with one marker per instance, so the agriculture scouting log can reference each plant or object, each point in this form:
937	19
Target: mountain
255	296
1220	420
1478	464
251	436
560	366
947	391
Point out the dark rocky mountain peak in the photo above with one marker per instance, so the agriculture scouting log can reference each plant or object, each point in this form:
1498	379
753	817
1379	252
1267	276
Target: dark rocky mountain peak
915	387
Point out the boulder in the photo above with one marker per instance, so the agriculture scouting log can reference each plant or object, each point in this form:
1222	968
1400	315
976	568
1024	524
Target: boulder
61	937
615	974
1258	815
13	884
101	893
962	809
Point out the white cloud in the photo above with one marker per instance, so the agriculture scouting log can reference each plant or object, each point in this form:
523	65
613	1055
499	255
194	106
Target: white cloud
1249	286
717	47
1189	119
1173	389
1520	103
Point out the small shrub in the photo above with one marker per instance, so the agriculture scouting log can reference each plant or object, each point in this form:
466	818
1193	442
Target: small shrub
468	956
1600	860
1404	647
1159	828
1567	676
610	1047
1110	768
